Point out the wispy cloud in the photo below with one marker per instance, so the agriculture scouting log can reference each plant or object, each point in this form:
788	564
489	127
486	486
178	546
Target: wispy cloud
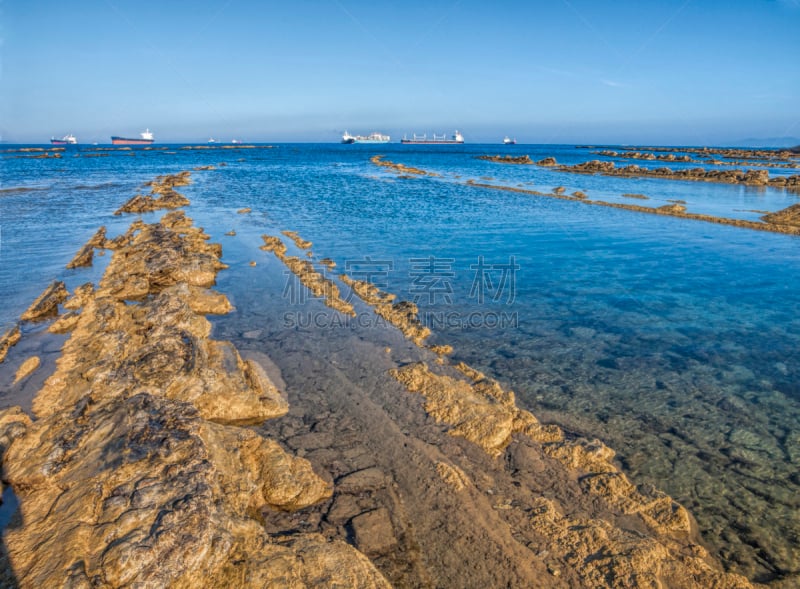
613	84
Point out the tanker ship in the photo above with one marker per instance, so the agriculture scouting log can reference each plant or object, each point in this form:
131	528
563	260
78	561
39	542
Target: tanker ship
455	139
146	139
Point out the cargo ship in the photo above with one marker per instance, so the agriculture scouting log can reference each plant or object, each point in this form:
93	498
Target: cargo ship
508	141
146	139
371	138
65	140
456	138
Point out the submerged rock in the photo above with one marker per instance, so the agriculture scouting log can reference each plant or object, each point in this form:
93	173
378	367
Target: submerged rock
134	473
403	314
507	159
304	270
27	368
9	340
481	412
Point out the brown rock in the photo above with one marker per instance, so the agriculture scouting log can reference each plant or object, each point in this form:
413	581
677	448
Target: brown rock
374	533
86	254
124	480
403	315
14	422
46	305
8	340
368	479
788	216
82	294
452	475
481	412
307	274
162	195
506	159
65	323
298	241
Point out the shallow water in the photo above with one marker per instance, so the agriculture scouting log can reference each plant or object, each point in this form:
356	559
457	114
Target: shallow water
672	340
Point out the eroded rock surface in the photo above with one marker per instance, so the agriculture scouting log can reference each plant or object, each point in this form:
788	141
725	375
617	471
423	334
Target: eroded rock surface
749	177
597	549
8	340
403	314
307	274
134	473
507	159
401	169
85	255
162	195
788	216
46	304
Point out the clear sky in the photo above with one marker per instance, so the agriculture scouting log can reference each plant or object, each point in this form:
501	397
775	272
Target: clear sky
561	71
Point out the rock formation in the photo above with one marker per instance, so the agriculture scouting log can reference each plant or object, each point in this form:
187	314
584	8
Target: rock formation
308	276
507	159
402	315
162	195
399	168
136	471
788	216
46	304
85	256
8	340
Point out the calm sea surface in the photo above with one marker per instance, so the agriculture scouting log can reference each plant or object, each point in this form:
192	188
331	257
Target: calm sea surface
674	341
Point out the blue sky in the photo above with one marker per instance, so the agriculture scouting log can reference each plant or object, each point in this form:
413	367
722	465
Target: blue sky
563	71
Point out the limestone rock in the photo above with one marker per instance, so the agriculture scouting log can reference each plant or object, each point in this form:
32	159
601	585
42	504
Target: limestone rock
133	474
373	532
86	253
8	340
403	314
46	305
308	275
14	422
83	293
27	368
65	323
159	495
452	475
507	159
788	216
162	195
298	241
480	412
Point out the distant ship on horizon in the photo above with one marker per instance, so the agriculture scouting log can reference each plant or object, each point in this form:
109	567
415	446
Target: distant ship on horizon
456	138
371	138
146	139
508	141
65	140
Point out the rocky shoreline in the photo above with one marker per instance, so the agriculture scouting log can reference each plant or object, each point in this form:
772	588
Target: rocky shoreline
137	468
785	221
747	177
149	460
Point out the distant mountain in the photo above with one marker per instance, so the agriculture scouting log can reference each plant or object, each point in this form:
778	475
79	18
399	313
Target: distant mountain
769	142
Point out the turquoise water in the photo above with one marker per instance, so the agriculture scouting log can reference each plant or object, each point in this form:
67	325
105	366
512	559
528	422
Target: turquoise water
674	341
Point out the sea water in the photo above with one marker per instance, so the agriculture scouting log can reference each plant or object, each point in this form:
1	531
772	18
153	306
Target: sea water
674	341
